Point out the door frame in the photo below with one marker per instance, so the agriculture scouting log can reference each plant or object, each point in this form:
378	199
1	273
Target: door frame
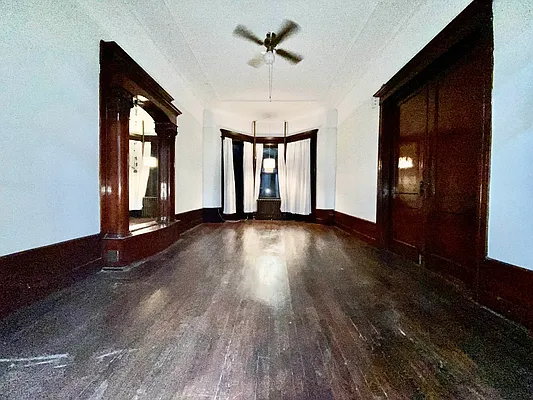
473	25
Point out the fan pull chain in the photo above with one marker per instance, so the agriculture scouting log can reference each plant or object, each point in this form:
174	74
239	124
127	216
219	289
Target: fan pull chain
270	76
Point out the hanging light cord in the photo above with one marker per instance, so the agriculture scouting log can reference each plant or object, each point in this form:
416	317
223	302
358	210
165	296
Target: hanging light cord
270	77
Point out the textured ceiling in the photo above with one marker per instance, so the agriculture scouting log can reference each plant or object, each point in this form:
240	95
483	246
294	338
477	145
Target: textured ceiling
338	38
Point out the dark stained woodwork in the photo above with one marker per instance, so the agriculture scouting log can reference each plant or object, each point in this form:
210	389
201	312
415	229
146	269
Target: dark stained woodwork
475	18
166	132
121	78
31	275
266	310
360	228
444	226
325	217
312	135
268	139
189	219
140	244
410	182
458	150
507	289
120	70
114	192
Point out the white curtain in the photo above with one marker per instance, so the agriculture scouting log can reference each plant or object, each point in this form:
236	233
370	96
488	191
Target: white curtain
258	166
138	173
298	174
230	206
282	177
250	203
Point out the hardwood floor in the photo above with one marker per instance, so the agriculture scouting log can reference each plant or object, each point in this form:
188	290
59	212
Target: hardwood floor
264	310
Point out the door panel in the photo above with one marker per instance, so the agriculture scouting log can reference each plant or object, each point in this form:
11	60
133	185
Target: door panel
408	200
452	216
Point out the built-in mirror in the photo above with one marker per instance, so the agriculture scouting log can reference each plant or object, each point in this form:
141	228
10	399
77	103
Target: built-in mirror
143	168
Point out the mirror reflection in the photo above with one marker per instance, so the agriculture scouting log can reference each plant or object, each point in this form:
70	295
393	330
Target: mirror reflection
143	168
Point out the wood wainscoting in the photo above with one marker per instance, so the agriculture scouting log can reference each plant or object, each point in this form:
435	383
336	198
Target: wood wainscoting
360	228
31	275
325	216
507	289
189	219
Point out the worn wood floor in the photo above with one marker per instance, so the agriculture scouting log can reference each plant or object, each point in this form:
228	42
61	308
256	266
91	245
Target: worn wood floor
264	310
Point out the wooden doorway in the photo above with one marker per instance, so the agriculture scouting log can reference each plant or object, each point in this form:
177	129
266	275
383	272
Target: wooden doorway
434	149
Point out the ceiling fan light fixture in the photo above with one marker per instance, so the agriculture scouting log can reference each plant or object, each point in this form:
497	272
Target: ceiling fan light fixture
269	57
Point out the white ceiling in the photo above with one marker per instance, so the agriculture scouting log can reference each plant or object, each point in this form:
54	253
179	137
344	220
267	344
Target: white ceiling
338	39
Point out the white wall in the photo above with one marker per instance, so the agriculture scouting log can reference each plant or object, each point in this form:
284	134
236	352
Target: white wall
189	166
511	183
357	162
49	106
49	67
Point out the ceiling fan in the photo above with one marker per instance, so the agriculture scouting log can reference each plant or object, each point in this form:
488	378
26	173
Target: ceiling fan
288	28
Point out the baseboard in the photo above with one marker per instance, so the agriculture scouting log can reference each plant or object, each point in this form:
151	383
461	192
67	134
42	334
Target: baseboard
325	216
190	219
360	228
212	214
507	289
31	275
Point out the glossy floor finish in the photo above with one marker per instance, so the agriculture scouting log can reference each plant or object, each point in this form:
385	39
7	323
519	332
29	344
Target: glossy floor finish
264	310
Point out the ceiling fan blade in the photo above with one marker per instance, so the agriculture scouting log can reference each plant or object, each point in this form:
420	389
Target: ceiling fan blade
257	61
289	56
247	34
288	28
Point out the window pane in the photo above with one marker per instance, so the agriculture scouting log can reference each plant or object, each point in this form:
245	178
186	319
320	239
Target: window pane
269	188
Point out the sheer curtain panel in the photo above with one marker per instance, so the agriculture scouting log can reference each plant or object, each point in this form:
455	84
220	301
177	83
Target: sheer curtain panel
258	166
230	206
298	182
250	203
282	177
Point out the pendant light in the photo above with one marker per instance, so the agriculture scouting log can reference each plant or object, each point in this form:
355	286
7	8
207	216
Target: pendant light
269	163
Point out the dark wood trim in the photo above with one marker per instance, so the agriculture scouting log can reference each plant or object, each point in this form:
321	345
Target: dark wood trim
120	70
473	19
325	217
120	79
472	27
189	219
212	214
31	275
272	139
360	228
507	289
141	244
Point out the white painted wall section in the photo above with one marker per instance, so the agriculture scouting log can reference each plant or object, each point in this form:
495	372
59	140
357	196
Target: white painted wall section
511	183
49	75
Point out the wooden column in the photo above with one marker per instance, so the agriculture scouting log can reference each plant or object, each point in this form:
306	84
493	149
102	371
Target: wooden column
115	193
166	133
